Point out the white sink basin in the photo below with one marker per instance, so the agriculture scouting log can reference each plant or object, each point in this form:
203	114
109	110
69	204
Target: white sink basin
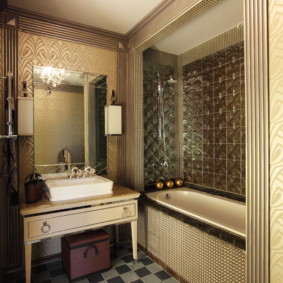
53	176
68	189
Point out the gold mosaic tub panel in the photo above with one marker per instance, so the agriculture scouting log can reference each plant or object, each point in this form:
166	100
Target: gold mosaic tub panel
194	256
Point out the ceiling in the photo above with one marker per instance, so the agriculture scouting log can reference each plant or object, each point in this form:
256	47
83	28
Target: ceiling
122	16
217	20
112	15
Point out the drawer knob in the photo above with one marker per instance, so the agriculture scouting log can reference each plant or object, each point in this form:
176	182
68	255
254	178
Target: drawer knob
126	212
45	227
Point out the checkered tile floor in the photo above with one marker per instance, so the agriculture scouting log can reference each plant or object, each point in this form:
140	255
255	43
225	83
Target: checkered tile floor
123	270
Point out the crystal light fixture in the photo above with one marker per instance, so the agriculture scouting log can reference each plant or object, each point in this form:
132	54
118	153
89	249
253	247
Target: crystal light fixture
52	76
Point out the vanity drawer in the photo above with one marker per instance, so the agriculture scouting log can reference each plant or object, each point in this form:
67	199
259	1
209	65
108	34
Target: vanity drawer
45	226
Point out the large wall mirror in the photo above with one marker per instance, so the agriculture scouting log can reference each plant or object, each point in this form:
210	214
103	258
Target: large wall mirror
69	120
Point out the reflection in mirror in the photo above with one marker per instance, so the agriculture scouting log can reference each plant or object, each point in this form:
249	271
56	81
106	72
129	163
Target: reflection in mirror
68	120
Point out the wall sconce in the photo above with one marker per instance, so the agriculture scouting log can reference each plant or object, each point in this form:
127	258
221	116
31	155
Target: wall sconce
25	116
113	118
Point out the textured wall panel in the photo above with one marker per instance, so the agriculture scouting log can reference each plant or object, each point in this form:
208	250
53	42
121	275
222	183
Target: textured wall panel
44	51
159	119
214	118
257	133
193	255
276	139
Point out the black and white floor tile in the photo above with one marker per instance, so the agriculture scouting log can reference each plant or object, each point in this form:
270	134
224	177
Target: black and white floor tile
123	270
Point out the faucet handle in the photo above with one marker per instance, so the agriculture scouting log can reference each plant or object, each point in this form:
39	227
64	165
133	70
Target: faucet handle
75	169
92	172
89	171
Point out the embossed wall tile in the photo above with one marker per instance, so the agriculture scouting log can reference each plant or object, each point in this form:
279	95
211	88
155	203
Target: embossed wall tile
207	77
220	182
220	120
233	118
197	152
220	109
208	151
197	164
196	108
234	135
220	167
187	94
234	151
219	104
234	168
233	86
232	70
234	102
243	168
242	84
207	92
233	53
242	67
234	184
243	135
219	59
219	76
220	151
207	63
197	122
219	89
208	179
155	152
208	121
208	165
208	106
197	177
195	67
220	135
208	136
243	151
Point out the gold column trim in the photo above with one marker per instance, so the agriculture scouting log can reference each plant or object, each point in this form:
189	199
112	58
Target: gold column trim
257	125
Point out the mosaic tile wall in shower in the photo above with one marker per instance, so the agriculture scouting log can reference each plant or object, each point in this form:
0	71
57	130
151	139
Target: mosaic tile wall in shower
214	120
159	120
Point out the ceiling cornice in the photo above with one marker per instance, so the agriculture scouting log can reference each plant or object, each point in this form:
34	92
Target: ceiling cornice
64	23
158	9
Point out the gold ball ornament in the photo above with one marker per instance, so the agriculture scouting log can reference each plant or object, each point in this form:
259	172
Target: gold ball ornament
179	182
159	185
169	184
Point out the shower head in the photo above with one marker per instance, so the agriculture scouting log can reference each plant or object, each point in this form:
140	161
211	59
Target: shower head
171	80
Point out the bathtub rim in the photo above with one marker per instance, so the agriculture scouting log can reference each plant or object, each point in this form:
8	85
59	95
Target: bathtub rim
221	233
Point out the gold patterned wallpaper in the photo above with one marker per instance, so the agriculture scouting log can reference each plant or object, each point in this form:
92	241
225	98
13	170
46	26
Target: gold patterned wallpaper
44	51
276	139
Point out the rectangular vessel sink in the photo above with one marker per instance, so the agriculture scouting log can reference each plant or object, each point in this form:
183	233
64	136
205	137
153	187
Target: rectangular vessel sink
68	189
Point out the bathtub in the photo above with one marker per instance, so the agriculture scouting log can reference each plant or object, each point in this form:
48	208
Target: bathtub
226	214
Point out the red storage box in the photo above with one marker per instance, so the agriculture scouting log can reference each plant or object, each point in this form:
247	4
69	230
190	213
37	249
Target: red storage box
85	253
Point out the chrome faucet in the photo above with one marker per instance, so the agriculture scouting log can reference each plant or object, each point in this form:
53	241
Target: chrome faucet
78	173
